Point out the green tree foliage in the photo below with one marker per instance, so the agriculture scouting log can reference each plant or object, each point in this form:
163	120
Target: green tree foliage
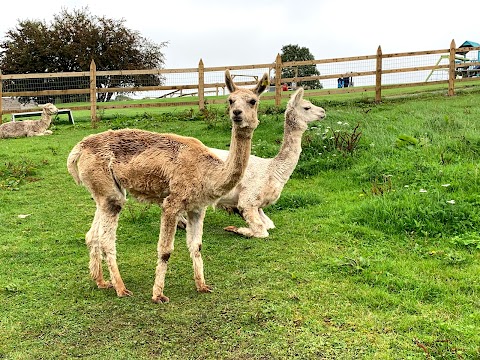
297	53
68	44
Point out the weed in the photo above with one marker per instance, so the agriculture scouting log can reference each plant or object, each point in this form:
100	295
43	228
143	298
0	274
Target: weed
470	239
354	265
12	174
211	116
381	187
347	141
406	141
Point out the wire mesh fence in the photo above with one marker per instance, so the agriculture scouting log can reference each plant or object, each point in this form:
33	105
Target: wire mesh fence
362	73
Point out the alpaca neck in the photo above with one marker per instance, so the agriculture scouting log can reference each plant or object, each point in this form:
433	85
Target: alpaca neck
45	120
287	158
232	170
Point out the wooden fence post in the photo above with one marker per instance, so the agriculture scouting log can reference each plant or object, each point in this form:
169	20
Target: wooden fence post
378	76
451	69
201	85
93	94
1	108
278	78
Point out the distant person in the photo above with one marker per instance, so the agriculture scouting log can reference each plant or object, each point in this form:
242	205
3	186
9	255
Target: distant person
346	81
340	83
284	87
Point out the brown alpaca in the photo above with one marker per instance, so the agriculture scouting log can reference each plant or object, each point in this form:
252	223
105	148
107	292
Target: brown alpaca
179	173
15	129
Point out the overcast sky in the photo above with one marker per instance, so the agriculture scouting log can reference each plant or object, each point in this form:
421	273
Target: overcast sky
240	32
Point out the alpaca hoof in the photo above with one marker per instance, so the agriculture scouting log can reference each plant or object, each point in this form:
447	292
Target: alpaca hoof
205	289
160	299
104	285
124	293
231	228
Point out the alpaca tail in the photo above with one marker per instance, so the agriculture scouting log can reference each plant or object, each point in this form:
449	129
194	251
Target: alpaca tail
72	163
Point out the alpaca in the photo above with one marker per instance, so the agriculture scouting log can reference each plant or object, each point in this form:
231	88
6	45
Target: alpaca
264	179
178	173
15	129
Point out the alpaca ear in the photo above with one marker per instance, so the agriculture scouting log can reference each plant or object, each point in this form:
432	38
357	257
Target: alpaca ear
262	85
229	82
296	97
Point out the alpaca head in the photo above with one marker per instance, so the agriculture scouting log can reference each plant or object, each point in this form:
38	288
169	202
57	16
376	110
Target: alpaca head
49	109
300	111
243	103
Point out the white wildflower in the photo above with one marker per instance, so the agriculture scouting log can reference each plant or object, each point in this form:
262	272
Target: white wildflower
451	202
446	185
423	190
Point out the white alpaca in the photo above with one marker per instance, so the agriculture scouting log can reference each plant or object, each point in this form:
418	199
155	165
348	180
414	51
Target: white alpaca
178	173
264	179
15	129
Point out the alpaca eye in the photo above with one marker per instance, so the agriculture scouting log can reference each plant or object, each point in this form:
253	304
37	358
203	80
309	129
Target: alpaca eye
307	108
231	101
253	102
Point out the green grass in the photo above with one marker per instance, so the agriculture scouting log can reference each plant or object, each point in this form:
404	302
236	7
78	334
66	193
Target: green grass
371	259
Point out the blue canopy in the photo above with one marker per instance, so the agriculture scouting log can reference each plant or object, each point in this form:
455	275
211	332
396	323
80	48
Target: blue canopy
470	44
467	44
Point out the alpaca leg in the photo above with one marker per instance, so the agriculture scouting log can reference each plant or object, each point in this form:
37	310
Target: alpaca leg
107	241
93	244
266	220
256	226
107	237
168	227
194	243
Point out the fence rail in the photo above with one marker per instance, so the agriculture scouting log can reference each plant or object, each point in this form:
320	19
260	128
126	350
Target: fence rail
372	73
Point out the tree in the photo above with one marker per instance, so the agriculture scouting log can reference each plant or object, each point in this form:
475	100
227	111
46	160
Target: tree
297	53
69	44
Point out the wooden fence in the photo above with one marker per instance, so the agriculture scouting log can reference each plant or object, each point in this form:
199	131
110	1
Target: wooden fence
458	67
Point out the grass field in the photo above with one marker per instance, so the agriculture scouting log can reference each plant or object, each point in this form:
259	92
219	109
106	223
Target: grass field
376	254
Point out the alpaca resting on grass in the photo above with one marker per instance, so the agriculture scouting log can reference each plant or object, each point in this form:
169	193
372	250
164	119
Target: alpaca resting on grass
264	179
178	173
16	129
